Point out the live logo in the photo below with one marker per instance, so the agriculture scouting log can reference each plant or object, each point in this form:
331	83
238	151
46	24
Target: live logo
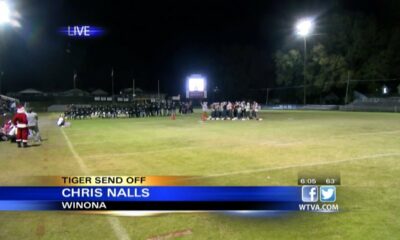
79	31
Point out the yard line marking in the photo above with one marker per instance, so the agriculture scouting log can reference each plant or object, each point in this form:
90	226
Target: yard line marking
116	225
298	165
277	143
177	149
78	158
367	133
139	152
119	230
280	144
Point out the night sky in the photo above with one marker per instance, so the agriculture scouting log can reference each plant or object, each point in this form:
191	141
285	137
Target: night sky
149	40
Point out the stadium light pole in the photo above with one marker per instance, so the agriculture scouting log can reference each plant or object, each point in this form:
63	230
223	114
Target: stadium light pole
5	13
304	28
7	17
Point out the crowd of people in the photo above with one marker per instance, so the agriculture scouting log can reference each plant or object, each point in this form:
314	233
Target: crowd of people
8	131
239	110
22	126
135	110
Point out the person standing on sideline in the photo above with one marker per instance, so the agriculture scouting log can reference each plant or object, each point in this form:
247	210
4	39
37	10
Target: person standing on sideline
21	121
33	125
173	114
204	107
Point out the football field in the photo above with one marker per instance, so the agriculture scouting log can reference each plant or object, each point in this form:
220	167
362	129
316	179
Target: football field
363	147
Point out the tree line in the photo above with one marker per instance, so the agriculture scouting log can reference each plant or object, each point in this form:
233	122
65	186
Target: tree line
346	45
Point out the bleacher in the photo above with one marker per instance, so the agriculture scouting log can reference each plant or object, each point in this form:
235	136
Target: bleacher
317	107
391	104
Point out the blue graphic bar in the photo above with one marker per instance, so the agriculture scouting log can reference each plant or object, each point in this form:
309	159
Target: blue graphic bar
154	198
26	205
165	193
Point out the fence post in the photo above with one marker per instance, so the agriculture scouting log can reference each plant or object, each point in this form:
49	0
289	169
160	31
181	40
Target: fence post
347	87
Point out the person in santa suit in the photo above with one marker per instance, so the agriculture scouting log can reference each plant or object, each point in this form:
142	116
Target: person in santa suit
21	121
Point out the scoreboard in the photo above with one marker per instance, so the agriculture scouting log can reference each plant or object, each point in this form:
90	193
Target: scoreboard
196	87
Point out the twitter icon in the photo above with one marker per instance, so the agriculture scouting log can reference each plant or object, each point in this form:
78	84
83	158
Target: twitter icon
327	193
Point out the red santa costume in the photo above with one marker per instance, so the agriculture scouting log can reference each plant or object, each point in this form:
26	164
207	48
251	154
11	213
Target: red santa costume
21	121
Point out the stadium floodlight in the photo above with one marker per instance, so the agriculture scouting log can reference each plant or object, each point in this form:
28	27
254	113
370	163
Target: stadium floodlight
196	83
385	90
196	86
304	27
8	16
5	15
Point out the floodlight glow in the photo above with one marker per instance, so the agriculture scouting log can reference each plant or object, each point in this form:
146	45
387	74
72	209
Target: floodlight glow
15	23
385	90
304	27
5	14
196	84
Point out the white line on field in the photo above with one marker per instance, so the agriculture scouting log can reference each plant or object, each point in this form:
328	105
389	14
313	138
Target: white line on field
78	158
139	152
119	230
368	133
116	225
277	143
298	165
175	149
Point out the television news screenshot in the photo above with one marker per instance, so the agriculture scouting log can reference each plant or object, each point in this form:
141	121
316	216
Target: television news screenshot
199	119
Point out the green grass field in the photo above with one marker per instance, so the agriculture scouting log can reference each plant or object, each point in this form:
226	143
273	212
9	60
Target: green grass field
364	147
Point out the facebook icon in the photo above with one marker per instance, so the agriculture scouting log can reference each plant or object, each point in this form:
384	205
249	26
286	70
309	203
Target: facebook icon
309	194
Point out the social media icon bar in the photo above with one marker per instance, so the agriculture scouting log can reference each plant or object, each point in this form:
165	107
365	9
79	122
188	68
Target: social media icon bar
327	193
309	193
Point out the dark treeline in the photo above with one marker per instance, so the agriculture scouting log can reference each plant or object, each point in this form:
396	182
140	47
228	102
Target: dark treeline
357	45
